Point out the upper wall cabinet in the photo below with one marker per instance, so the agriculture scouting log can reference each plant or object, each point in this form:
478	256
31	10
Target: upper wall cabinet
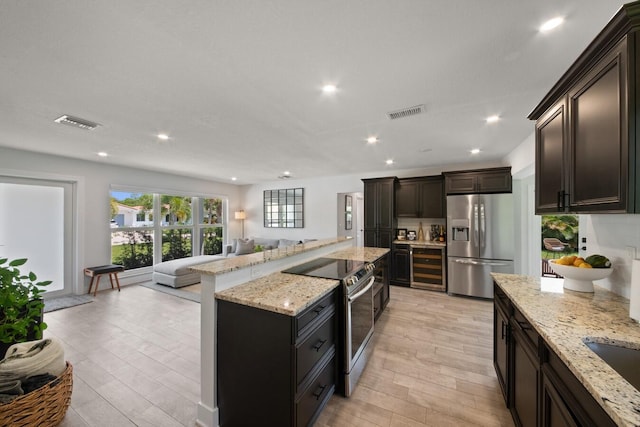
494	180
420	197
379	217
586	152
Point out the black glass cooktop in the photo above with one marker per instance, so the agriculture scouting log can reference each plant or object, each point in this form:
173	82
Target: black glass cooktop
328	268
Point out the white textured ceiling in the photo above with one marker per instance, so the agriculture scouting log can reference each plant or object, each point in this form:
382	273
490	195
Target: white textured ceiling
236	84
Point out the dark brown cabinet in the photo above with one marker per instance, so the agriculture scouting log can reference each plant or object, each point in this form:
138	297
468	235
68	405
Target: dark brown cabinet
501	331
550	159
381	286
275	369
539	389
420	197
401	265
379	216
586	127
479	181
525	372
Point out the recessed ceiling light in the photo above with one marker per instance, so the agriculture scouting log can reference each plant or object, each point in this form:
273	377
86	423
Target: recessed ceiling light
493	119
102	154
286	173
389	161
475	151
372	140
163	136
329	89
233	178
551	24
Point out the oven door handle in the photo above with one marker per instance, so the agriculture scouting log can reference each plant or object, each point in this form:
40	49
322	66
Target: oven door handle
363	291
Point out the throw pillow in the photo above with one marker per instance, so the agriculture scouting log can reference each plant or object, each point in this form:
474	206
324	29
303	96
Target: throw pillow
244	247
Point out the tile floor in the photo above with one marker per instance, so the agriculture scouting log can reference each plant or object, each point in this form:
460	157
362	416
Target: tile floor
136	363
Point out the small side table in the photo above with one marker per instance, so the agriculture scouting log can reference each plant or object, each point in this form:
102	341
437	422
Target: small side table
112	270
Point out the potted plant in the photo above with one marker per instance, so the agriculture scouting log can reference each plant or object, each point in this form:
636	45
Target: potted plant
21	305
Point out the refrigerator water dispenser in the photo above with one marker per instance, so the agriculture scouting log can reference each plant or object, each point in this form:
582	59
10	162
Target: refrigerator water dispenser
460	230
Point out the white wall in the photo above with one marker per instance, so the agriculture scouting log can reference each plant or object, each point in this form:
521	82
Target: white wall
613	236
93	184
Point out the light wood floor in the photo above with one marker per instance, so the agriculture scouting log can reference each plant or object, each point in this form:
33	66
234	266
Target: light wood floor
136	362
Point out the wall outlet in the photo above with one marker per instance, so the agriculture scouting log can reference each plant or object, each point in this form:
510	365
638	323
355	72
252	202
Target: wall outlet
631	252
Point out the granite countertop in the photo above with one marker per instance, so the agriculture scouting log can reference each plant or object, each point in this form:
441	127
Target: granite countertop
237	262
280	292
359	254
565	318
291	293
421	243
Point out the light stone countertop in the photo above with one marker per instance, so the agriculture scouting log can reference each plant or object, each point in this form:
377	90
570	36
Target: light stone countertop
564	318
359	254
421	243
280	292
242	261
291	293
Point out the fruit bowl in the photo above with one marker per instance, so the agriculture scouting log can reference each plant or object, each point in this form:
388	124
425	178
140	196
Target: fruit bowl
579	279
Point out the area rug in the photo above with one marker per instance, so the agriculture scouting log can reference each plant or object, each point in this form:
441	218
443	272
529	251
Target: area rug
59	303
180	293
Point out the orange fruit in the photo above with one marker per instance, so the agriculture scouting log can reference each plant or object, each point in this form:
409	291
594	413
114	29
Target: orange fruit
578	261
585	265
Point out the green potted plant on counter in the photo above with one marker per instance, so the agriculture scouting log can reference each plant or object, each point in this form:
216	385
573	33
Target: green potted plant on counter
21	305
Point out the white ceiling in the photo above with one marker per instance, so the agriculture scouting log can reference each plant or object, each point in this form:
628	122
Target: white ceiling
236	84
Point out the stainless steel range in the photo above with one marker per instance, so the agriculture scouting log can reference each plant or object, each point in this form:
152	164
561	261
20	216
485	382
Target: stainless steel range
357	312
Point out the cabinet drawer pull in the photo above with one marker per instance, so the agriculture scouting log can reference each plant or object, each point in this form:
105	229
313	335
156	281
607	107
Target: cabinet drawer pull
319	391
524	325
319	309
319	345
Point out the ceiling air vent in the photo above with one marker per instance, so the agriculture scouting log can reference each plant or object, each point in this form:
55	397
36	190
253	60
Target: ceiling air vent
76	122
406	112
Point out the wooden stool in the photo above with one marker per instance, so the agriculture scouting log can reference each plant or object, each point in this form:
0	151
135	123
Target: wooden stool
111	269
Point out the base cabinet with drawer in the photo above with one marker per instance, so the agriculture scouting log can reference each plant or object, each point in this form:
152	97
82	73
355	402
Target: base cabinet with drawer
275	369
381	286
539	389
401	264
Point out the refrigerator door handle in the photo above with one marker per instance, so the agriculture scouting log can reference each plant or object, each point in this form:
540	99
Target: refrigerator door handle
483	229
472	262
475	225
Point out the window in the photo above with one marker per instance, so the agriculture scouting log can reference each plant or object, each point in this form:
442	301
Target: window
284	208
131	238
186	226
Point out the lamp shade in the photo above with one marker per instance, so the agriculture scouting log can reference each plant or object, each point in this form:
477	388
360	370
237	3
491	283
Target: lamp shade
240	215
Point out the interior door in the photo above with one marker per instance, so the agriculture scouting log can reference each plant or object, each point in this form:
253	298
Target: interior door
36	222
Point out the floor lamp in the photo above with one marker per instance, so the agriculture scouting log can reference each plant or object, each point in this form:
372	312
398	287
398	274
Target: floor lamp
241	215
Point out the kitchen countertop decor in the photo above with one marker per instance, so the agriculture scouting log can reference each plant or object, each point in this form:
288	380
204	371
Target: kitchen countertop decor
566	319
280	292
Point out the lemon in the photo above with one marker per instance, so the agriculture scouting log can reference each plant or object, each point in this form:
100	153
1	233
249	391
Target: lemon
578	261
585	265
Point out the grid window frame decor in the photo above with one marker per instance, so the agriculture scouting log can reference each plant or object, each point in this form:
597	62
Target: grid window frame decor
284	208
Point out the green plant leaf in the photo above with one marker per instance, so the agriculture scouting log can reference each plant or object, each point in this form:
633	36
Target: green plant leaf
18	262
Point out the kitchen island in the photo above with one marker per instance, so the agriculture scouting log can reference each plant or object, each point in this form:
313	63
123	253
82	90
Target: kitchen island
249	269
564	320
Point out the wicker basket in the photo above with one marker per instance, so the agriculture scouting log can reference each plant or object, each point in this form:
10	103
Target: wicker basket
45	406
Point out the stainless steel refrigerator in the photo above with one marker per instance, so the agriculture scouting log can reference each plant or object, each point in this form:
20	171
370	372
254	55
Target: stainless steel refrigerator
480	237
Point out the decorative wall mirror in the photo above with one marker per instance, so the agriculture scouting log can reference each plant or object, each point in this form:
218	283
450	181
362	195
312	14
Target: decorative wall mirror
284	208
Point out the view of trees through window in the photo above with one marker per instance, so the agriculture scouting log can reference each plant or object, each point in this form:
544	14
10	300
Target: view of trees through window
186	226
559	235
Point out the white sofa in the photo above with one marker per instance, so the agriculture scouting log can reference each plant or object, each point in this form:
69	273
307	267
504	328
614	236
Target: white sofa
176	272
265	243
